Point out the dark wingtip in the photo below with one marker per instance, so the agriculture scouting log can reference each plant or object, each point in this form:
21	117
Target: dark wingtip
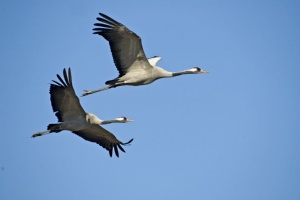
61	80
102	15
128	142
108	20
66	77
116	150
70	77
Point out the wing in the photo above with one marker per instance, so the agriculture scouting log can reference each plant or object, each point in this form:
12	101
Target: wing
125	45
64	100
99	135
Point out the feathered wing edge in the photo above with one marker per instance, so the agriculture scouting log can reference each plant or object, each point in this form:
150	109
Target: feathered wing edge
68	79
108	23
116	146
63	84
97	134
125	45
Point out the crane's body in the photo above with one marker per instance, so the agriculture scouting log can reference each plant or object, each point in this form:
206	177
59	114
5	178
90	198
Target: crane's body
129	57
142	76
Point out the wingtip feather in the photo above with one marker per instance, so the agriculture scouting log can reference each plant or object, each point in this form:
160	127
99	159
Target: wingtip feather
110	152
70	77
116	150
127	142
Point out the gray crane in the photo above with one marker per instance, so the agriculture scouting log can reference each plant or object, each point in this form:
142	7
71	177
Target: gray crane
72	117
129	57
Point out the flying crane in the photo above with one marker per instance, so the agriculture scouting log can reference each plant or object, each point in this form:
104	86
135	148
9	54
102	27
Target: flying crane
71	116
129	57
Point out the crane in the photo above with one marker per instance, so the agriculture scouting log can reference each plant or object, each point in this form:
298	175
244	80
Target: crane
129	57
71	116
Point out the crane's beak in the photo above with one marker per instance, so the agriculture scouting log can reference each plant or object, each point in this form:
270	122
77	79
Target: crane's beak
203	71
129	120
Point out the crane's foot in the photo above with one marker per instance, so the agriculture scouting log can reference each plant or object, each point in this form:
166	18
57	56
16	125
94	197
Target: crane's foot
36	134
87	92
40	133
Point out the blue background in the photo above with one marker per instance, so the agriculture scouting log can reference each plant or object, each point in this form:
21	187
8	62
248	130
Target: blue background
231	134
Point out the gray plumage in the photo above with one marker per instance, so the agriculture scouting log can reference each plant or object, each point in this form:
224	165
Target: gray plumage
129	57
71	116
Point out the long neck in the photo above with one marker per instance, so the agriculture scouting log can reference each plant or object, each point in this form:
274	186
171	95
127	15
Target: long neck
181	73
161	73
111	121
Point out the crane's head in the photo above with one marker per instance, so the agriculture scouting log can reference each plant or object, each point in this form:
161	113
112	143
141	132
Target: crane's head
117	120
93	119
197	70
123	120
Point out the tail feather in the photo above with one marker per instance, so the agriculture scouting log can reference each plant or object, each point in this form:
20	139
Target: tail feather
114	82
54	128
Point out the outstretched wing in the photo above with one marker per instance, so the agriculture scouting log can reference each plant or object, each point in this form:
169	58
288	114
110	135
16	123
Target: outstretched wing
64	100
125	45
99	135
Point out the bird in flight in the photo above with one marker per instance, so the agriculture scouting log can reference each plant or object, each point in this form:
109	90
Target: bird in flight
71	116
129	57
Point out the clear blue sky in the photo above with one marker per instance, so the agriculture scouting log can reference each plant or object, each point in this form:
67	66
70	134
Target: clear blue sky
231	134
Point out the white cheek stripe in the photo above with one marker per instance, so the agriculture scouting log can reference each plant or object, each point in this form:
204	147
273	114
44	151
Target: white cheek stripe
120	118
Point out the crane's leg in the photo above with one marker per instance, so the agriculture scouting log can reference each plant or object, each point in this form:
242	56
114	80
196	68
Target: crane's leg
88	92
40	133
